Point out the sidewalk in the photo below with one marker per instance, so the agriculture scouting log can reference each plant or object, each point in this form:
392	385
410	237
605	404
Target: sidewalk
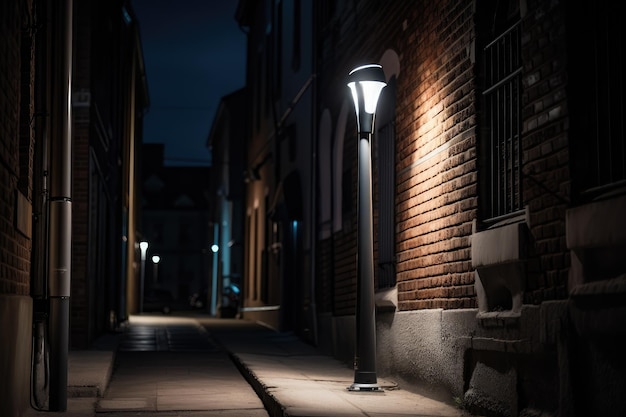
290	377
293	379
88	375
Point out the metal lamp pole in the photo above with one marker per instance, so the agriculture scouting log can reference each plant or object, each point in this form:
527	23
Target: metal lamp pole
60	203
366	83
144	248
214	248
155	269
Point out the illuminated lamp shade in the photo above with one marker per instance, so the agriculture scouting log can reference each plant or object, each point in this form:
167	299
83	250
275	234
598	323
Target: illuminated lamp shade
366	83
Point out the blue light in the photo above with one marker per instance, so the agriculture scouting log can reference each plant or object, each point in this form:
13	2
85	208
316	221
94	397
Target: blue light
126	16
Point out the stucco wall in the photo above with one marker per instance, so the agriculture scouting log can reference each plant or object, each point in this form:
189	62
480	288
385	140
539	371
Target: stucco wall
500	363
424	347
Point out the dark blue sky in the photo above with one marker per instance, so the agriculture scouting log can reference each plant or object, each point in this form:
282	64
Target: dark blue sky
194	54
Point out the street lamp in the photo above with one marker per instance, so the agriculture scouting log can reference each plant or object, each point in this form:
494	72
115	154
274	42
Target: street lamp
214	248
366	83
155	260
143	245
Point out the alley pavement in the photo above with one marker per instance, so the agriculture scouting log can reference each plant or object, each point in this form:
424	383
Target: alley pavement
198	366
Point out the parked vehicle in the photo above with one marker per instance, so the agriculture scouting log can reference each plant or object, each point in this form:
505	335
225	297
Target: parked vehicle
199	299
230	301
158	299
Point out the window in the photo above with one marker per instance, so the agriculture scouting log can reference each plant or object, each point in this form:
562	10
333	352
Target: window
277	51
597	96
185	234
385	166
501	113
157	233
296	38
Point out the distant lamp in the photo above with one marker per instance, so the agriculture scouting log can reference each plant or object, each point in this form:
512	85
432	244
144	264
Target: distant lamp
215	248
366	83
143	246
155	271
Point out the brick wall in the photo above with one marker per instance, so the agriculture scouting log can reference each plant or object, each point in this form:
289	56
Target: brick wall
27	106
344	245
15	145
80	305
80	317
351	37
16	158
435	144
325	279
436	159
546	173
437	137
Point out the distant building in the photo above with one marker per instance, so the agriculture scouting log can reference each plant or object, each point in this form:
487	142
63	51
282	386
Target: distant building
174	205
227	146
280	228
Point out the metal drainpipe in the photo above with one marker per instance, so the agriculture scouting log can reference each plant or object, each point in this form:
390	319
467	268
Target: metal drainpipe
60	241
39	254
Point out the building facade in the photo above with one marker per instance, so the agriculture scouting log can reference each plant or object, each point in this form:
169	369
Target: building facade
278	267
174	207
499	171
73	97
107	131
226	145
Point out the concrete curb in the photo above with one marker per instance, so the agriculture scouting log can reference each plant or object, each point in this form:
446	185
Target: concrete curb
273	407
89	391
89	373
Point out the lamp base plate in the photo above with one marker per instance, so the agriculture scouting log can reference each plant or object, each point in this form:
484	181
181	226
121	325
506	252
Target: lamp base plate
365	387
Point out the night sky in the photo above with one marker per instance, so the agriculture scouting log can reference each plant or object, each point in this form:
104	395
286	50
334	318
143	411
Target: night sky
194	54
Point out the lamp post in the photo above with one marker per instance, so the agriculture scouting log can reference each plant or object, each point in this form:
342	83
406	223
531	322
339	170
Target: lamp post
366	83
143	245
214	248
155	272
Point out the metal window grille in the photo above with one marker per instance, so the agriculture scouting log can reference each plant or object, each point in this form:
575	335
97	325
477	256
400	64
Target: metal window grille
502	98
604	145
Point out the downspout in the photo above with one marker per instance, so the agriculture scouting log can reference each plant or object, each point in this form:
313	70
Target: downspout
60	236
39	254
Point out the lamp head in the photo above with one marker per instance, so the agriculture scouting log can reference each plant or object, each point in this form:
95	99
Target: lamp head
366	83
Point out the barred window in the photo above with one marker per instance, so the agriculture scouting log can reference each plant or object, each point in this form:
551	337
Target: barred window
597	95
501	116
384	146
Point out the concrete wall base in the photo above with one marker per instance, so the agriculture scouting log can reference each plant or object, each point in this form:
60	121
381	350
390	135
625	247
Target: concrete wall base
424	347
496	365
343	338
269	318
15	325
